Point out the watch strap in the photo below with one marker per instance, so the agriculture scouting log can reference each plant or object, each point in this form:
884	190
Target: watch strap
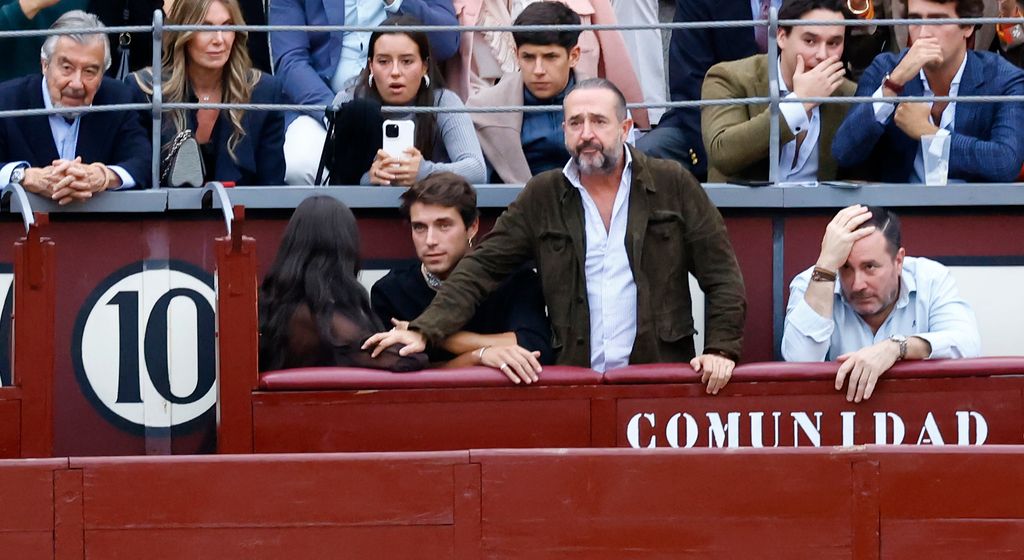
893	86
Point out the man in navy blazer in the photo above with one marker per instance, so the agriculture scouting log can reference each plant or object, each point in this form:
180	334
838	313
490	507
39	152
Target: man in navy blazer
314	66
70	157
985	138
691	53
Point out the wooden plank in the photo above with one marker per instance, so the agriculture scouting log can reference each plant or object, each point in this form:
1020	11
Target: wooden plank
272	543
422	426
10	424
68	517
29	545
29	485
467	530
953	539
267	491
603	504
865	518
987	483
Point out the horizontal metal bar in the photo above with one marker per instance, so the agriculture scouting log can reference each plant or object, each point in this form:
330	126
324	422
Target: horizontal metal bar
668	26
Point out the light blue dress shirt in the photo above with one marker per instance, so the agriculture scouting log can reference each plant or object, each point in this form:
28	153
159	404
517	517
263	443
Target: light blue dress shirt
356	45
611	290
65	139
928	307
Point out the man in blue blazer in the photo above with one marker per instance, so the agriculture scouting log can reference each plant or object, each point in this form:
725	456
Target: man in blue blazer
691	53
985	138
70	157
314	66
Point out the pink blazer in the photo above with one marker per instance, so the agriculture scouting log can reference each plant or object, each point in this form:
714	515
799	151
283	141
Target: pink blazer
603	53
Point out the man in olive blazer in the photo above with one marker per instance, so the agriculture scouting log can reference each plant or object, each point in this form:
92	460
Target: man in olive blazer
736	137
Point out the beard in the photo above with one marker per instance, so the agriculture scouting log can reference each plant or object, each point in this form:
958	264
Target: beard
601	163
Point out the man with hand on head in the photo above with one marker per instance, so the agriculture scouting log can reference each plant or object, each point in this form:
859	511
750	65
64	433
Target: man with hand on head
614	235
71	156
885	307
736	136
509	331
984	138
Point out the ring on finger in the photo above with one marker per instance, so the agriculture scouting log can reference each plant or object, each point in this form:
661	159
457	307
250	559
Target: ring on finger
503	366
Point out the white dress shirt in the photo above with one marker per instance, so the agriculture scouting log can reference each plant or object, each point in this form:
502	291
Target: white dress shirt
947	122
356	45
802	167
928	307
611	290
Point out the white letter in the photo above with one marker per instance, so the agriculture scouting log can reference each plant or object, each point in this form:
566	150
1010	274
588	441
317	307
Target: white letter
848	417
633	429
813	431
963	421
898	429
934	436
672	430
717	432
756	430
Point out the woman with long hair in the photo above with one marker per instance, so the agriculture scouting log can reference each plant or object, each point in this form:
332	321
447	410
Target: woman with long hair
313	310
399	71
244	147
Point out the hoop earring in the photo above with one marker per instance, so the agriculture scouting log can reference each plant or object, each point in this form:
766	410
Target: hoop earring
369	80
426	80
470	241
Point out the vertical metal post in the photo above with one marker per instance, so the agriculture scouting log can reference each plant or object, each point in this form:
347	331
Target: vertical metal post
158	95
773	94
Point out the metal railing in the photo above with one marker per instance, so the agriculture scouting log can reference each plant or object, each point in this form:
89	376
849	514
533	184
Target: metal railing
157	106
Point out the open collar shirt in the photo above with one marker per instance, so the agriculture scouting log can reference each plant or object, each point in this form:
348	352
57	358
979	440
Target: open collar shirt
928	307
611	289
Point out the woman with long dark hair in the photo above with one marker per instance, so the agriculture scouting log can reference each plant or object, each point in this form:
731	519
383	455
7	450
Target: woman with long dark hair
313	310
399	71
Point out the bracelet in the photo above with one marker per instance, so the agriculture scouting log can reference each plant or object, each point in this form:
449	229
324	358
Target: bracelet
820	274
480	353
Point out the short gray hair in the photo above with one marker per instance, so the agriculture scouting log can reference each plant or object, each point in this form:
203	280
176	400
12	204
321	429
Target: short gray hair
77	19
601	83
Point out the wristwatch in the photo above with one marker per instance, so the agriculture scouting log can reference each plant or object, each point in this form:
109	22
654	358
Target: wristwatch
18	175
902	341
896	88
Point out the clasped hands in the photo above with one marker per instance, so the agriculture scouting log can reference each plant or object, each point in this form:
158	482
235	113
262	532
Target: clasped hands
387	170
67	181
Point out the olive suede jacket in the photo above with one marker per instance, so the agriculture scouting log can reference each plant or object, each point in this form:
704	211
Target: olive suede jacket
672	228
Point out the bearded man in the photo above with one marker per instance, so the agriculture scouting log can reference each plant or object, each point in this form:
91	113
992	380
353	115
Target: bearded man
613	235
885	307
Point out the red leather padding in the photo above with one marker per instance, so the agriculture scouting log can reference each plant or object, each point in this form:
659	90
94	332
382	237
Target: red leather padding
810	371
315	379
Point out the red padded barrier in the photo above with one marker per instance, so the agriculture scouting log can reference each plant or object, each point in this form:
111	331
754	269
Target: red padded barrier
817	371
316	379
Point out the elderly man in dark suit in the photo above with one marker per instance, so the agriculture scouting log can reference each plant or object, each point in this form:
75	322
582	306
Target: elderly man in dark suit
70	157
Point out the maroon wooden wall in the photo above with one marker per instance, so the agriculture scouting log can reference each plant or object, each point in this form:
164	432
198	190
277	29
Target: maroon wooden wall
864	503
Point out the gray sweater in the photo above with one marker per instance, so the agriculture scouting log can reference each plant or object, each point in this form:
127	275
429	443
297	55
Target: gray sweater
457	151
